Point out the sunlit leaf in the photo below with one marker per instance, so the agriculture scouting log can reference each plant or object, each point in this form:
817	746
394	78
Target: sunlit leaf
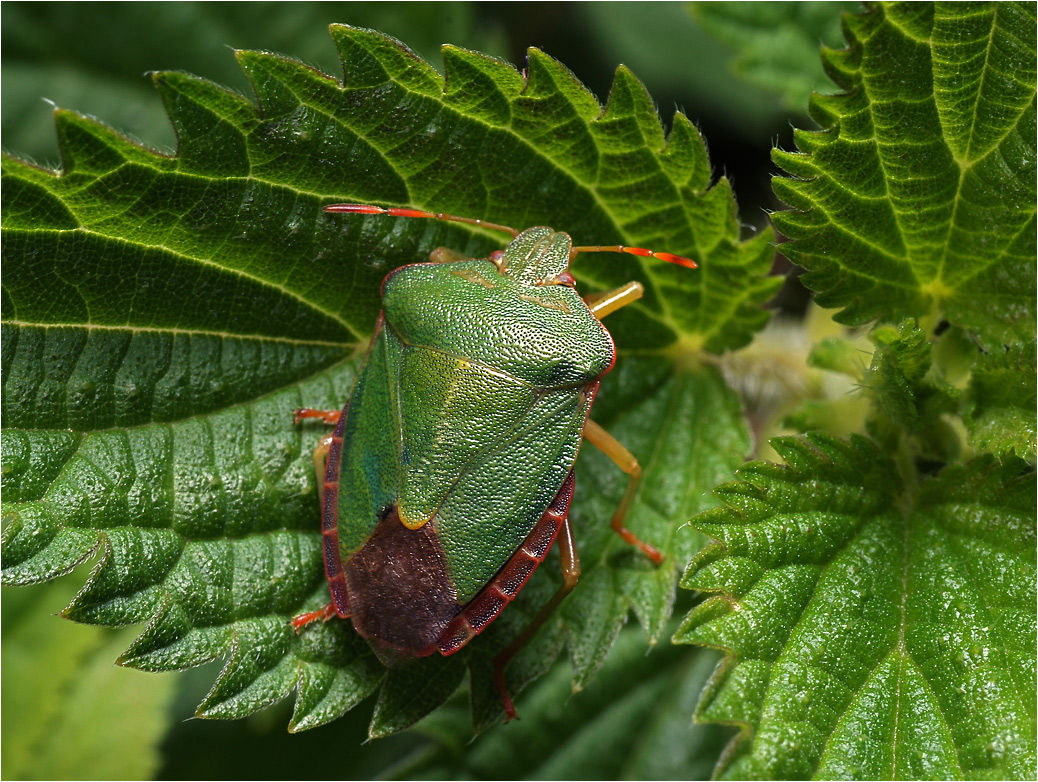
874	631
918	199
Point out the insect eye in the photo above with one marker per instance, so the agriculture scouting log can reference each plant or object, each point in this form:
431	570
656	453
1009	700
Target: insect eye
498	257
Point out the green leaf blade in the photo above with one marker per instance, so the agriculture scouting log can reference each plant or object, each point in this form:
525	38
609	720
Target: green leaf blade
917	612
870	740
212	125
932	233
979	112
128	376
337	671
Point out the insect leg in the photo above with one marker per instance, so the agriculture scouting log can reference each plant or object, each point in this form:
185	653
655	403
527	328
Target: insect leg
321	452
446	255
625	460
323	614
320	460
326	612
330	417
610	301
570	575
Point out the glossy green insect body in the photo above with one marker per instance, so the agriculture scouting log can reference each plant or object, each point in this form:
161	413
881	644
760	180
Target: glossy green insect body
450	471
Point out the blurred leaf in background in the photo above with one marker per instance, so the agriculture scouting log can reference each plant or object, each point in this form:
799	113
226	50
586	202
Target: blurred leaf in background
775	45
94	57
68	712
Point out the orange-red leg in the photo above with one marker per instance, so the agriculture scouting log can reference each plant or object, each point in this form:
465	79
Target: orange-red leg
570	575
330	417
322	614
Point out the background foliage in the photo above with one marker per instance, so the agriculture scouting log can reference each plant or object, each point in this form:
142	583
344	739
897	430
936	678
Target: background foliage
867	591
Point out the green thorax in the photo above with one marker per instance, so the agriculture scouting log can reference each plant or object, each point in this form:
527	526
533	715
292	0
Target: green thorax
506	316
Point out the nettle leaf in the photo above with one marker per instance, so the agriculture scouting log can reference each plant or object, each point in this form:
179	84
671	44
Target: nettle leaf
919	198
874	630
163	317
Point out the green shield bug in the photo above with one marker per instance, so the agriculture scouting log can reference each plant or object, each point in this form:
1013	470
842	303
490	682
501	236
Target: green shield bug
449	473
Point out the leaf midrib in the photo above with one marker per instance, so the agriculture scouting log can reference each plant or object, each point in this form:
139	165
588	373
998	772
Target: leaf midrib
181	331
204	262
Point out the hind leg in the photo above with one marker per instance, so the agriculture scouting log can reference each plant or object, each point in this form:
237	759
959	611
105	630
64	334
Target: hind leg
570	575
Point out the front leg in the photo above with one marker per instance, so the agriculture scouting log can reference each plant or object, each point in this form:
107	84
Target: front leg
330	417
601	304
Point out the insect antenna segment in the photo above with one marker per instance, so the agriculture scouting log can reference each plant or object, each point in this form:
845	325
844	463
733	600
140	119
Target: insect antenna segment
369	209
688	263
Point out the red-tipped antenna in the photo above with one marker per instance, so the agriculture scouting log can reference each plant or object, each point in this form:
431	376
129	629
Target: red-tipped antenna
688	263
393	211
369	209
